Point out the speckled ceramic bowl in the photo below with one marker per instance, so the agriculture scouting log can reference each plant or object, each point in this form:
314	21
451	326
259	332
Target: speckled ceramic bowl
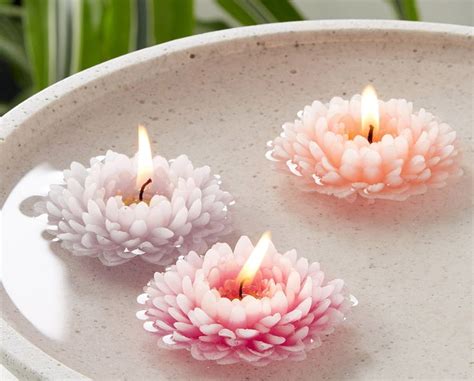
218	98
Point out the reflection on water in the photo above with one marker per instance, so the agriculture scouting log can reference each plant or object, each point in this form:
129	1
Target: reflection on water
34	278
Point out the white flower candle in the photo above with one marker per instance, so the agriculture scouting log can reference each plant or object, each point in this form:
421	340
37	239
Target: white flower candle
122	207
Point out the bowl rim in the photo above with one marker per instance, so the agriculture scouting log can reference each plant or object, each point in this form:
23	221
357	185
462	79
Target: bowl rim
41	100
19	355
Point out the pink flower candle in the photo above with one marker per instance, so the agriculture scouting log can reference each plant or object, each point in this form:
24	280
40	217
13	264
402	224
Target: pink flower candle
249	304
368	148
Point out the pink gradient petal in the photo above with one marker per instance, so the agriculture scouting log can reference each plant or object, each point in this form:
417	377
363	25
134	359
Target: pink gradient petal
292	310
411	153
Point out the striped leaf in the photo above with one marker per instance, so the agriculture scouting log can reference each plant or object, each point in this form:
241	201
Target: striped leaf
170	19
406	9
11	44
103	29
282	10
64	9
252	12
39	29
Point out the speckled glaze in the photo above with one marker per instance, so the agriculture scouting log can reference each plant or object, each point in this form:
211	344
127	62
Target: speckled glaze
218	98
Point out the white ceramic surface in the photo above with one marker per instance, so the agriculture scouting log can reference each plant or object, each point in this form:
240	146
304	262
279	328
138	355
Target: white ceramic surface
219	97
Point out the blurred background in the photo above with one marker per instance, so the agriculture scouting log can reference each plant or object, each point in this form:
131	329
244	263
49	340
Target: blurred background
44	41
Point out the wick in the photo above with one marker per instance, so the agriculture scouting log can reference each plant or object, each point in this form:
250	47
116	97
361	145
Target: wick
142	189
370	137
241	289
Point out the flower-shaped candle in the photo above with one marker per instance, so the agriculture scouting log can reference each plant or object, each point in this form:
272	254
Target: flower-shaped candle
366	147
124	207
249	304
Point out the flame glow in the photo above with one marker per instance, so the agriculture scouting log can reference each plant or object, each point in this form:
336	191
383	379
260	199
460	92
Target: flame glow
254	261
369	111
145	161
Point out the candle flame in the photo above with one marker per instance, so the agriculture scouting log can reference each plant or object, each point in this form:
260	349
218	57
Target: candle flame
145	161
254	261
369	113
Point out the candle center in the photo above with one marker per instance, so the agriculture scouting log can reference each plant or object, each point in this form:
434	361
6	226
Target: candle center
370	118
142	189
258	288
144	170
249	280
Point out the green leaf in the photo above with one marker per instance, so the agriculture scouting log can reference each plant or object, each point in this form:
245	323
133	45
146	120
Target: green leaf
209	26
20	97
38	17
11	43
405	9
252	12
282	10
12	50
26	92
104	29
4	107
142	27
119	28
238	10
13	53
64	9
11	10
170	19
87	29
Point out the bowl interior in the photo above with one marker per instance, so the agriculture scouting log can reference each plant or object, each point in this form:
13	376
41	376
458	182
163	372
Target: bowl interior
407	263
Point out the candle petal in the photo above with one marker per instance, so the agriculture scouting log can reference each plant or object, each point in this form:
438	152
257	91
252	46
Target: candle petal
119	236
138	228
247	333
261	345
163	233
186	329
293	283
253	309
270	321
177	315
248	356
291	316
208	304
243	247
322	307
211	329
173	281
178	337
227	333
238	318
184	303
305	306
195	210
188	289
273	339
279	303
224	310
198	317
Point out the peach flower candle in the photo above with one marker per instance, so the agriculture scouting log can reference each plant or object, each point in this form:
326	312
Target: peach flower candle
368	148
120	207
250	304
